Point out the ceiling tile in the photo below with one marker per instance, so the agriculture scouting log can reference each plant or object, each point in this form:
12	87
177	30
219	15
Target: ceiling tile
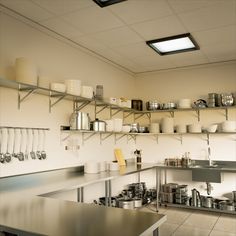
218	15
215	36
93	19
159	28
60	7
90	43
133	11
135	50
188	58
220	52
190	5
118	36
28	9
153	60
61	27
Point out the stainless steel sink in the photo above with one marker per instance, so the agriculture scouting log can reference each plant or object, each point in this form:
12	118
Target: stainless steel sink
205	166
203	172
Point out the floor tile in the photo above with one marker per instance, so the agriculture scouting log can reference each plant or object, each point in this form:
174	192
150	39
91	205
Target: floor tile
187	231
220	233
202	220
176	216
226	223
167	229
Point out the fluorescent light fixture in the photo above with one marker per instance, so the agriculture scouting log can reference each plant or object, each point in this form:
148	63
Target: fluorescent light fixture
173	44
105	3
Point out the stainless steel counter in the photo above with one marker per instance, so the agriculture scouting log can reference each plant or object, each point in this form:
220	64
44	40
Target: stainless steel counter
23	213
44	216
63	179
223	166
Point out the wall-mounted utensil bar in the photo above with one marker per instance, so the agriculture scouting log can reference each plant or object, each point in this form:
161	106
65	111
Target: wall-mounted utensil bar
21	143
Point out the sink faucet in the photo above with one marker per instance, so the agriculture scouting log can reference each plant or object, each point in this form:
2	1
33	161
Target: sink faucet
209	156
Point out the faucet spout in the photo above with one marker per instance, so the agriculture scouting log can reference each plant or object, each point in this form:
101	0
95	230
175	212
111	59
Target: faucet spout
209	156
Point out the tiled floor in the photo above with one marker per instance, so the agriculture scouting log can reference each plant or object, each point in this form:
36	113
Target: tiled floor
184	222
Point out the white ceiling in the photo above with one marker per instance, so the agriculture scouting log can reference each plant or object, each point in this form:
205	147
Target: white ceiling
119	32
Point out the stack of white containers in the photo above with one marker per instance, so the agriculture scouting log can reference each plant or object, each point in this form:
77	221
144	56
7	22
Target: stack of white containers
73	86
167	125
26	71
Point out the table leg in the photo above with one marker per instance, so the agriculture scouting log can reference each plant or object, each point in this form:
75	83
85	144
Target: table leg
157	188
109	192
156	232
106	192
80	194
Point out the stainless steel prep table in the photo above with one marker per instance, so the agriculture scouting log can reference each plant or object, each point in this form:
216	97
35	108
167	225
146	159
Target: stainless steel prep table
24	213
44	216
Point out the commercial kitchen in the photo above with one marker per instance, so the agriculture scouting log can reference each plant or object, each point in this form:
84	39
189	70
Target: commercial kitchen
106	131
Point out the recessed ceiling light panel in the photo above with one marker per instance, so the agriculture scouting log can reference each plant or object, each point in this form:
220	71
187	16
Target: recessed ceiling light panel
173	44
105	3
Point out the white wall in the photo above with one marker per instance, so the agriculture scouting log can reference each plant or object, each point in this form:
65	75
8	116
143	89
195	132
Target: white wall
58	61
193	83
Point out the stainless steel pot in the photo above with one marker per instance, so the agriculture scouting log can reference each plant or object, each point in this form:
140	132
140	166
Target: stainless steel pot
207	201
98	125
143	129
227	205
152	105
137	202
79	121
234	196
126	204
134	128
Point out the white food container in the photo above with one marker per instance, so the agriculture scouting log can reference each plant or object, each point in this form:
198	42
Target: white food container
109	125
113	166
73	86
195	128
167	125
91	167
26	71
117	124
181	128
154	128
87	92
59	87
184	103
228	126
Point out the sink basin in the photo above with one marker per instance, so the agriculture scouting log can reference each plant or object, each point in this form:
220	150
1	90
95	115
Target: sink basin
204	166
206	174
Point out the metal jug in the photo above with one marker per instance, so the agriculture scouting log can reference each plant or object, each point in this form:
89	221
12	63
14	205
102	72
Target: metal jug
196	199
79	121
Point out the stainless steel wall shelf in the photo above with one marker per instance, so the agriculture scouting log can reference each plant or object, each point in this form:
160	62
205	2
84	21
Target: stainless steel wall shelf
86	135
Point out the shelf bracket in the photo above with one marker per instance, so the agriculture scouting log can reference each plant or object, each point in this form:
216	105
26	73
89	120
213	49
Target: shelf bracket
59	98
117	110
117	138
131	137
172	114
104	137
97	111
156	136
28	90
208	139
181	138
82	105
126	114
139	115
84	138
198	115
226	113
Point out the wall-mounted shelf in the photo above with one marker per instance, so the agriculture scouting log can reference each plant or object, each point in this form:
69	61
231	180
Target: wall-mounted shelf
25	90
87	134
